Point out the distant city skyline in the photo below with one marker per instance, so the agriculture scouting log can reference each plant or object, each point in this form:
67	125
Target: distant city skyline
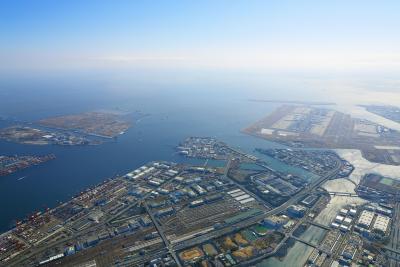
228	35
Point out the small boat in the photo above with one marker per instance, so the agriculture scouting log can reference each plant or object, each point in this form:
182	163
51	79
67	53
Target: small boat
20	178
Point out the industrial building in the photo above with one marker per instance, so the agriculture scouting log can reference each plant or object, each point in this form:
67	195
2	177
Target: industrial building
347	221
247	200
320	261
339	219
331	240
145	221
381	224
365	219
313	256
196	203
165	212
211	199
240	196
334	225
296	211
234	191
352	212
310	200
343	212
275	222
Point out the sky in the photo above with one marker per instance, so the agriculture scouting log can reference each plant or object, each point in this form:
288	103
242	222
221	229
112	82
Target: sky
208	34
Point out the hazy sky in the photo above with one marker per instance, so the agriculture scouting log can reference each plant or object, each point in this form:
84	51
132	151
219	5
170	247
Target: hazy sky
266	34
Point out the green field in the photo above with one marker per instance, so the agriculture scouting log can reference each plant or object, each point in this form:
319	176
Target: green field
387	181
260	230
248	235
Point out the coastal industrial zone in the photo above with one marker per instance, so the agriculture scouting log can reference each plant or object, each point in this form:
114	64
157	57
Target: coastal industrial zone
88	128
11	164
234	209
238	214
307	126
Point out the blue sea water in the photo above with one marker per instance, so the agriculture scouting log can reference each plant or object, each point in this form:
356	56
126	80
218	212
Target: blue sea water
173	115
175	111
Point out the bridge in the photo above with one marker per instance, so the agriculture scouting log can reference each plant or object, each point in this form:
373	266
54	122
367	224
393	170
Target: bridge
319	225
342	194
310	244
205	163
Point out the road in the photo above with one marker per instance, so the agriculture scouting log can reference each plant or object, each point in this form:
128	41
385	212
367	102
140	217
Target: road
230	229
162	234
75	235
392	249
172	248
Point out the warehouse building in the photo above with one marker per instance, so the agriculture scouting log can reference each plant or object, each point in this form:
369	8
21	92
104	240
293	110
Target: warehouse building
366	218
381	224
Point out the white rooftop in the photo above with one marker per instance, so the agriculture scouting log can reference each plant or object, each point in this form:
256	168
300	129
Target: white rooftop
366	218
242	197
343	211
246	200
347	221
234	191
339	218
381	223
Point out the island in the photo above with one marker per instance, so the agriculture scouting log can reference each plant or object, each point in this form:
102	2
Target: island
98	123
375	186
314	127
11	164
388	112
310	103
314	161
35	136
89	128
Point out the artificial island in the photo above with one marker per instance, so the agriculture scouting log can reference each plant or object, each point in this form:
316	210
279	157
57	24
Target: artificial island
12	164
308	126
88	128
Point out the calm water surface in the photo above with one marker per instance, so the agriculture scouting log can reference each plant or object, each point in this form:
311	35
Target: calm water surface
174	114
